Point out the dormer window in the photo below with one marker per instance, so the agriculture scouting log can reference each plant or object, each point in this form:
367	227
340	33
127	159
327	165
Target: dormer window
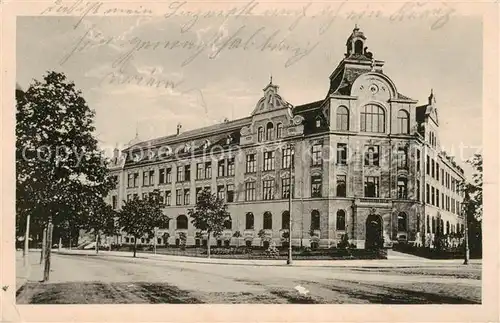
187	147
229	139
318	123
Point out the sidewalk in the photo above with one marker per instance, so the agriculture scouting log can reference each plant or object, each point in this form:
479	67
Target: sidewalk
23	273
397	262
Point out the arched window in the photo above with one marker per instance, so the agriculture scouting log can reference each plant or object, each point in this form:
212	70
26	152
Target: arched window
340	220
268	220
228	224
249	221
372	118
402	222
403	121
341	185
182	222
342	118
447	227
269	131
285	220
358	47
279	131
260	134
315	220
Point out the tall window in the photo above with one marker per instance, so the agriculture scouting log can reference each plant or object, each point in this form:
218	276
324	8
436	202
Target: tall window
286	157
199	171
178	197
402	188
182	222
433	196
251	165
402	158
340	220
168	198
372	156
268	160
432	168
145	179
168	175
268	221
221	168
372	118
180	174
130	180
186	196
250	191
341	185
317	155
402	222
418	190
249	223
279	131
427	194
428	224
428	165
230	166
151	177
341	154
342	118
221	192
228	224
403	121
260	134
315	225
371	186
208	170
316	185
285	187
230	193
161	176
285	220
187	172
269	131
418	159
437	197
268	187
136	180
437	171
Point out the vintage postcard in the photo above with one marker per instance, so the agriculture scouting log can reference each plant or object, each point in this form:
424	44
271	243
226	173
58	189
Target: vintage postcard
249	161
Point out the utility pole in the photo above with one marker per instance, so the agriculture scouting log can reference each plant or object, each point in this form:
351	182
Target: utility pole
26	242
466	237
46	271
292	156
44	245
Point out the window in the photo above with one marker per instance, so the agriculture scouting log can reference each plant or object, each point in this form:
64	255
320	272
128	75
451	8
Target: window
285	220
403	121
437	171
161	176
144	196
250	191
221	192
341	154
130	180
151	178
249	221
182	222
402	188
428	225
402	222
340	220
287	157
342	118
279	130
432	168
418	160
178	197
114	202
248	243
317	155
402	158
145	178
372	156
198	191
442	201
371	186
432	196
447	227
285	188
268	189
427	194
230	166
186	196
318	122
269	131
315	220
341	185
428	165
260	134
208	170
251	165
180	174
199	171
442	176
268	160
437	197
418	190
268	221
316	185
221	168
187	172
372	118
230	193
433	225
168	198
169	175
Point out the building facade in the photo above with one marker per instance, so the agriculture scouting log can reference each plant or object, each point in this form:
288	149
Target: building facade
363	161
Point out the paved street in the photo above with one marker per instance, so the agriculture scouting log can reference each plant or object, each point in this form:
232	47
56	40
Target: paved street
107	278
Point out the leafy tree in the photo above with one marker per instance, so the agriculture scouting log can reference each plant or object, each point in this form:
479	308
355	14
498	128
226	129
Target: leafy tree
165	237
473	205
237	235
58	164
140	217
209	214
101	221
182	239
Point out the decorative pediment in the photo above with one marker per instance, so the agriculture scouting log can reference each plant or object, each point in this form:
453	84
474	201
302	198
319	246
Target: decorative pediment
250	179
268	176
271	100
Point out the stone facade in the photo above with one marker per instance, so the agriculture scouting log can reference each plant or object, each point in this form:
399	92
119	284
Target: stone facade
364	134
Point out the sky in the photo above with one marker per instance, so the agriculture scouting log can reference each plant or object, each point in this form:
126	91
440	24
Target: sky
225	80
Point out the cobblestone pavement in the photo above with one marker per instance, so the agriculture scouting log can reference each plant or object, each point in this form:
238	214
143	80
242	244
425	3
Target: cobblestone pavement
105	279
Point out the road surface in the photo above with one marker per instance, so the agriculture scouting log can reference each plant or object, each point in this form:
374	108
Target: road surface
105	279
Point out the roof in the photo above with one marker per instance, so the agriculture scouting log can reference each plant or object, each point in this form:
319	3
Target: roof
307	106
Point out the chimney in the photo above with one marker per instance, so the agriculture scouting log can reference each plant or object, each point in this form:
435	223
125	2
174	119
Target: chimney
179	126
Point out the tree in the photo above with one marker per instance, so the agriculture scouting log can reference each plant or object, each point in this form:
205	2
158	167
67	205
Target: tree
101	221
58	163
140	217
237	235
209	214
473	204
165	237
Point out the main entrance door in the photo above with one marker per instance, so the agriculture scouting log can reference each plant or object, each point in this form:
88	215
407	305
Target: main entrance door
374	238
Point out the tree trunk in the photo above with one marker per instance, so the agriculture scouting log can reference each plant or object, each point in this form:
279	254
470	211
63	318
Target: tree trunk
96	243
26	242
60	244
135	246
208	244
